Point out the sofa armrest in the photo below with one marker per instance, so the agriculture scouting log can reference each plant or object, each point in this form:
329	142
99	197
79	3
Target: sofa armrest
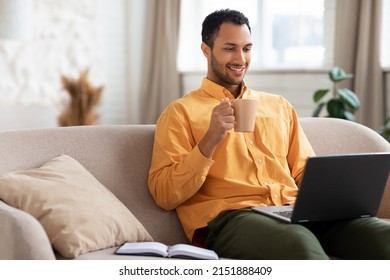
22	236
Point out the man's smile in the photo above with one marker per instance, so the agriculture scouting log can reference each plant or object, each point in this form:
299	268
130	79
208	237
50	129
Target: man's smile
237	69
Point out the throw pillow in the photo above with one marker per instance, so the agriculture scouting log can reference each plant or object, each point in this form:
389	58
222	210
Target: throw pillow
77	212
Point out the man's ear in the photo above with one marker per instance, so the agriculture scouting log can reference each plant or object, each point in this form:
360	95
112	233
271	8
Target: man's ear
206	50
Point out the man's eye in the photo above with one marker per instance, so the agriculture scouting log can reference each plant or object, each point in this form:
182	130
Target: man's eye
229	49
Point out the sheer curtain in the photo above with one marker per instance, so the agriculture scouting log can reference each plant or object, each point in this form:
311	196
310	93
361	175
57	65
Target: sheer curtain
160	78
357	50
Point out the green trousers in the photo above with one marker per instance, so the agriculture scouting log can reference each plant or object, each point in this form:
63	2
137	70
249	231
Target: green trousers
244	234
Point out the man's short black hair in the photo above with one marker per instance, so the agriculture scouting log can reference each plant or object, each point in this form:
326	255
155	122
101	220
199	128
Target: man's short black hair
213	21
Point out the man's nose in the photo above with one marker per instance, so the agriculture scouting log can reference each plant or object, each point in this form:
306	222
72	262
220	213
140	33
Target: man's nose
240	57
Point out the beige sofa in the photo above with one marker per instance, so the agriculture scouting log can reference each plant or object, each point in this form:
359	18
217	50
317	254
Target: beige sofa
119	157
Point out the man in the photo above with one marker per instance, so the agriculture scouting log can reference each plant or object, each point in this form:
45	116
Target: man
212	175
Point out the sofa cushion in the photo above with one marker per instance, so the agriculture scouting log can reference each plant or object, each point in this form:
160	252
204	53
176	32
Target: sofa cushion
77	212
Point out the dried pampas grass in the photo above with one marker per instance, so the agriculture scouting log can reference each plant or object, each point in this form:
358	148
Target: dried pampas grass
84	99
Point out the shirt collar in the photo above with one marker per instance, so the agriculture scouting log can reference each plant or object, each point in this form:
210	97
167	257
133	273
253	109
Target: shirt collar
219	92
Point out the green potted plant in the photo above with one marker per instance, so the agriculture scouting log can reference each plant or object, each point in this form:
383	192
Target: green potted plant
344	102
385	129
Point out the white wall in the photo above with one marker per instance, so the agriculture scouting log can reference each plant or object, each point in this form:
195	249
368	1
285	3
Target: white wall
104	35
68	38
123	54
136	37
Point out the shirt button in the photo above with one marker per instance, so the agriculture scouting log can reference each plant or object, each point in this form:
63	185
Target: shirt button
276	196
250	142
260	161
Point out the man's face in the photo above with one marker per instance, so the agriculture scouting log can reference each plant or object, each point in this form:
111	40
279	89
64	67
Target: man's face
229	59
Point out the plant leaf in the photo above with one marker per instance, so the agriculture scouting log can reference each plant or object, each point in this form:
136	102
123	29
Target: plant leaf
319	94
387	121
337	74
349	116
317	111
336	109
349	98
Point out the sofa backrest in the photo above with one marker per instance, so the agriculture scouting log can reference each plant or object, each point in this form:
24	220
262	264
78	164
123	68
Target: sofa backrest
118	156
337	136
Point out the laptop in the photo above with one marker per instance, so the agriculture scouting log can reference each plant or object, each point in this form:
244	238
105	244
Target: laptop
336	187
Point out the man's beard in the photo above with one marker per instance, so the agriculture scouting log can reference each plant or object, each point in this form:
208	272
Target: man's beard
221	76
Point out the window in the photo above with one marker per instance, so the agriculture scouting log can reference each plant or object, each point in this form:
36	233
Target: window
285	33
385	35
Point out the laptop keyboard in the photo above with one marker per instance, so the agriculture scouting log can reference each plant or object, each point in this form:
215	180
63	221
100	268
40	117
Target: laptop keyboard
286	214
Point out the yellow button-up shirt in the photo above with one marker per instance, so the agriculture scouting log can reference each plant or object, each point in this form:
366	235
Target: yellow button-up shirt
263	167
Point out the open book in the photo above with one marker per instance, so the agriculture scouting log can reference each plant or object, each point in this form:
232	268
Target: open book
162	250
